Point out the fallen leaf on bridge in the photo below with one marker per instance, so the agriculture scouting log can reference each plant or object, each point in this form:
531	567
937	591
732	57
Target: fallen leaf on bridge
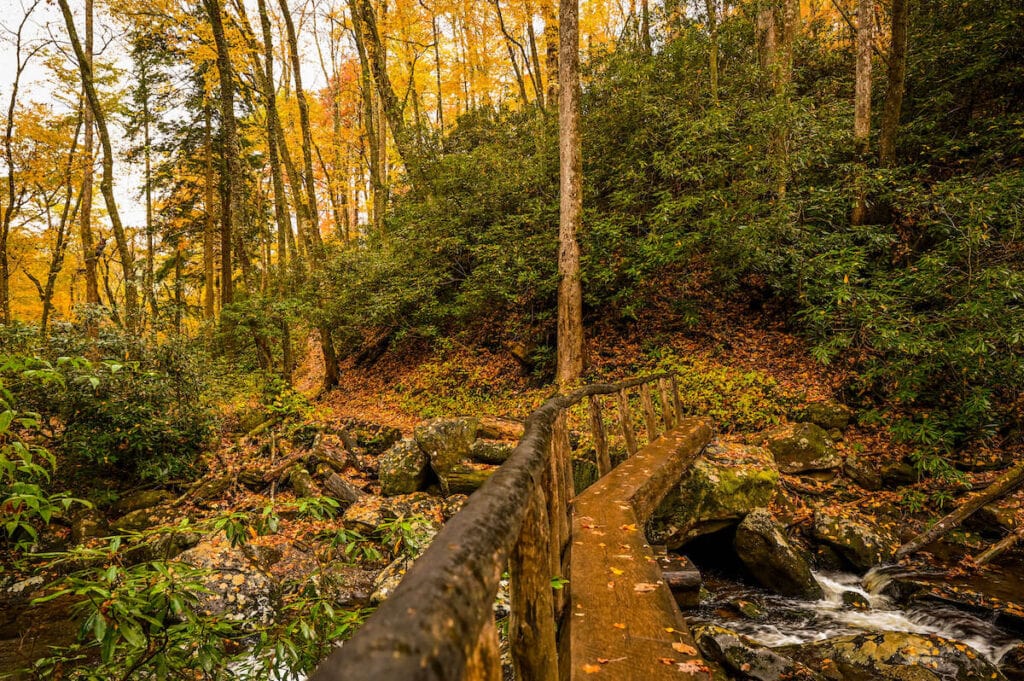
684	649
591	668
644	587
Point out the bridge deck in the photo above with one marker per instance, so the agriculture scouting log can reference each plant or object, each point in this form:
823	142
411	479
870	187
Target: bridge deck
624	622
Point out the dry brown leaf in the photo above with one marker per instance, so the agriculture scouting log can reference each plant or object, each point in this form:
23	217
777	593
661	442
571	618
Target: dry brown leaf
680	647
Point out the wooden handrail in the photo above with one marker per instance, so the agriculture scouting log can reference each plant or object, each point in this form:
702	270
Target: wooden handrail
438	623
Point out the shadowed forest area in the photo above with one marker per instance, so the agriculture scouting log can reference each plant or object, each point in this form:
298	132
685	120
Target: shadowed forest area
280	280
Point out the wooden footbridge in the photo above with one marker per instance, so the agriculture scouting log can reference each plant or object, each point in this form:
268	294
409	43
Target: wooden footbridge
586	596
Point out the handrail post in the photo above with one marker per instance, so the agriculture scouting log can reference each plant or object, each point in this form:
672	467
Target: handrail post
531	605
650	419
667	410
677	400
561	463
484	664
626	422
604	463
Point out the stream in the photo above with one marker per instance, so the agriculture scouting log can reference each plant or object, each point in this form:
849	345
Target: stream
791	621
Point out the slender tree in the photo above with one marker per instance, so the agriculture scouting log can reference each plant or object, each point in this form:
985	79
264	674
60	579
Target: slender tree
862	98
896	83
130	319
570	154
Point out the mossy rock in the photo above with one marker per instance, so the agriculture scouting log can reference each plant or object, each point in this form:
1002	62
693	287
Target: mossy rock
864	542
890	655
827	415
747	659
403	469
801	448
725	483
447	442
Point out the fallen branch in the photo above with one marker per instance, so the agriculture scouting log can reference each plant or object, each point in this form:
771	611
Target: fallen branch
1002	486
1000	547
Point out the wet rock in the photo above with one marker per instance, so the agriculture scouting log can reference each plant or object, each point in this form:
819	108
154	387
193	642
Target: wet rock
748	609
139	500
855	601
725	483
998	517
491	451
801	448
447	442
389	579
827	415
367	514
745	659
771	559
403	469
234	587
1011	664
864	542
862	473
348	586
892	655
682	578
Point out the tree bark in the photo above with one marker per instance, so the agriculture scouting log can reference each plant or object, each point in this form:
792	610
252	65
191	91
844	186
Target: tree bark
570	291
107	179
370	124
209	225
896	85
551	42
92	286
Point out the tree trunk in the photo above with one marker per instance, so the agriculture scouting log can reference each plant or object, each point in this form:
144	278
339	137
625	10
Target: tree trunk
551	41
92	286
370	123
150	281
107	179
712	11
273	123
570	292
896	85
209	226
1005	484
307	138
509	43
232	166
862	100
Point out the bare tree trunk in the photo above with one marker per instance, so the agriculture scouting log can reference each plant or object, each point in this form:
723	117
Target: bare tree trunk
231	204
307	138
107	180
645	25
209	226
150	281
570	291
897	83
536	71
862	99
509	42
370	124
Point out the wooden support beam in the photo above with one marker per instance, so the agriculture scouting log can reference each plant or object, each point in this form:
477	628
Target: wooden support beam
650	417
626	422
485	661
531	629
604	463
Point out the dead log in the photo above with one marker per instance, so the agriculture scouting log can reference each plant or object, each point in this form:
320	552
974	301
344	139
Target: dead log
1003	485
343	491
1000	547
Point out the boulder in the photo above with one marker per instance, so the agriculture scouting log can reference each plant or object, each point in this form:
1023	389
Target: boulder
864	542
403	469
374	439
859	470
302	482
367	514
466	477
137	521
771	559
746	659
347	586
491	451
892	655
87	523
139	500
452	505
447	442
827	415
725	483
801	448
853	600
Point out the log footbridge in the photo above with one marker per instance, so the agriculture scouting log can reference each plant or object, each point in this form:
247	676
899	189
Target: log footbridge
586	595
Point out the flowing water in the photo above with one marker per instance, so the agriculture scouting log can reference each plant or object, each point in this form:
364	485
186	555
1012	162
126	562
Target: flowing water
792	621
